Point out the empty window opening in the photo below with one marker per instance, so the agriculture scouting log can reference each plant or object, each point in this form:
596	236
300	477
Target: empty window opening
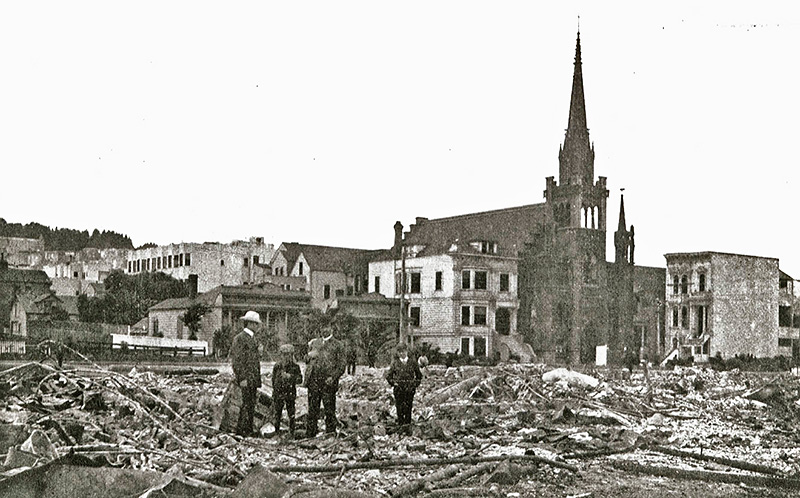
480	346
784	316
504	282
465	313
438	280
701	320
416	283
414	314
502	321
479	317
481	280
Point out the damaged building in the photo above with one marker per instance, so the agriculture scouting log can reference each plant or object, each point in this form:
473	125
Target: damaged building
498	281
721	304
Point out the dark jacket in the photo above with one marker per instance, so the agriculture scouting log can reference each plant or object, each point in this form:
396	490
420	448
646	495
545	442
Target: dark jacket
329	360
405	376
244	359
282	386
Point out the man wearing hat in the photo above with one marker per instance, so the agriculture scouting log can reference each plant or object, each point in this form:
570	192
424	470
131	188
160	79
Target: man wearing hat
326	364
247	370
285	378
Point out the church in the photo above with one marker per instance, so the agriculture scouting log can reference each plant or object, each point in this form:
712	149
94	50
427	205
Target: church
531	280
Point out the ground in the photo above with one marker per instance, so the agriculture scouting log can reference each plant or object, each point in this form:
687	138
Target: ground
580	429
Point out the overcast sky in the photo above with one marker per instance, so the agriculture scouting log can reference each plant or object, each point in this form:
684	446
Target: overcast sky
325	122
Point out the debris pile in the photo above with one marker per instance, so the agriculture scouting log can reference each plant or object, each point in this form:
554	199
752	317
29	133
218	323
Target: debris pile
479	431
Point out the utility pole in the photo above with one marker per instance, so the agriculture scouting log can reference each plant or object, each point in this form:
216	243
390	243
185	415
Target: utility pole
403	292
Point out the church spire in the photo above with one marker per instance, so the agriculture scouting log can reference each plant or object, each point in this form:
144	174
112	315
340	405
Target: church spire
576	157
623	238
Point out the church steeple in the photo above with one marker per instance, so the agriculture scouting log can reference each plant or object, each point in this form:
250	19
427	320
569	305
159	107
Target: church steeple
576	156
623	238
621	225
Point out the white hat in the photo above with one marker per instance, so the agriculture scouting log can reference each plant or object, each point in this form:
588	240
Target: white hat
251	316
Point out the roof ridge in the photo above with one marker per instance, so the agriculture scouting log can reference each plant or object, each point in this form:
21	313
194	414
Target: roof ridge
481	213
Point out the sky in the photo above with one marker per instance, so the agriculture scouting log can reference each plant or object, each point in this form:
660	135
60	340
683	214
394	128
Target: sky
325	122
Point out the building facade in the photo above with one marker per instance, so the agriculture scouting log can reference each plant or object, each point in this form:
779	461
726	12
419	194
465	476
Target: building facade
78	272
728	304
458	296
215	264
281	312
20	252
541	270
329	272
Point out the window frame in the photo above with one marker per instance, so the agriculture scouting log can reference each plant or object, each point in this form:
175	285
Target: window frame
484	283
505	286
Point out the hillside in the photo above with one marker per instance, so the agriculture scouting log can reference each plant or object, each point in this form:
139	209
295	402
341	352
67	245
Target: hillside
66	239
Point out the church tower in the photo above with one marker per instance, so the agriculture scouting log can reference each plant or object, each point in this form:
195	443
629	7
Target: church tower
578	207
577	201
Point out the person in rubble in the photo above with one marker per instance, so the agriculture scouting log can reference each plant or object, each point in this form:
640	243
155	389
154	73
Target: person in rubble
404	376
351	356
246	370
285	378
325	366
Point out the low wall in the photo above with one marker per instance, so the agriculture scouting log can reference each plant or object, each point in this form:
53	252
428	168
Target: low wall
150	342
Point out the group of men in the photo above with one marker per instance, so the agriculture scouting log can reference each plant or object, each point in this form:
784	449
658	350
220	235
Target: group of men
326	364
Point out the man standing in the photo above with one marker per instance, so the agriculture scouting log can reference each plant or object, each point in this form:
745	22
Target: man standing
325	368
247	370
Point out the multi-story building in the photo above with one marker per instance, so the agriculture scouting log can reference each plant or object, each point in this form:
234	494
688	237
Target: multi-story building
537	270
215	264
728	304
461	294
20	252
329	272
78	272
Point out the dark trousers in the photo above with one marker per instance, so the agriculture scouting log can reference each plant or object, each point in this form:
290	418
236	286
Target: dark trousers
351	367
244	426
403	401
281	399
320	393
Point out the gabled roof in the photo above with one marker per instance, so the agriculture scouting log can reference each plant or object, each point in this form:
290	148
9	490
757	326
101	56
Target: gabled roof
291	252
326	258
229	293
178	303
510	228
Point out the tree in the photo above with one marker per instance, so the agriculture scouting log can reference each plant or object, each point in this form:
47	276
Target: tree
128	297
192	318
222	341
374	338
58	313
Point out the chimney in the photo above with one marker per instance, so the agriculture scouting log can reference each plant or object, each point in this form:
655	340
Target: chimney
193	286
398	236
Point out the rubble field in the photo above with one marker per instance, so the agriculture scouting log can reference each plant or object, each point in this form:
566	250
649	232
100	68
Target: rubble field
508	431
